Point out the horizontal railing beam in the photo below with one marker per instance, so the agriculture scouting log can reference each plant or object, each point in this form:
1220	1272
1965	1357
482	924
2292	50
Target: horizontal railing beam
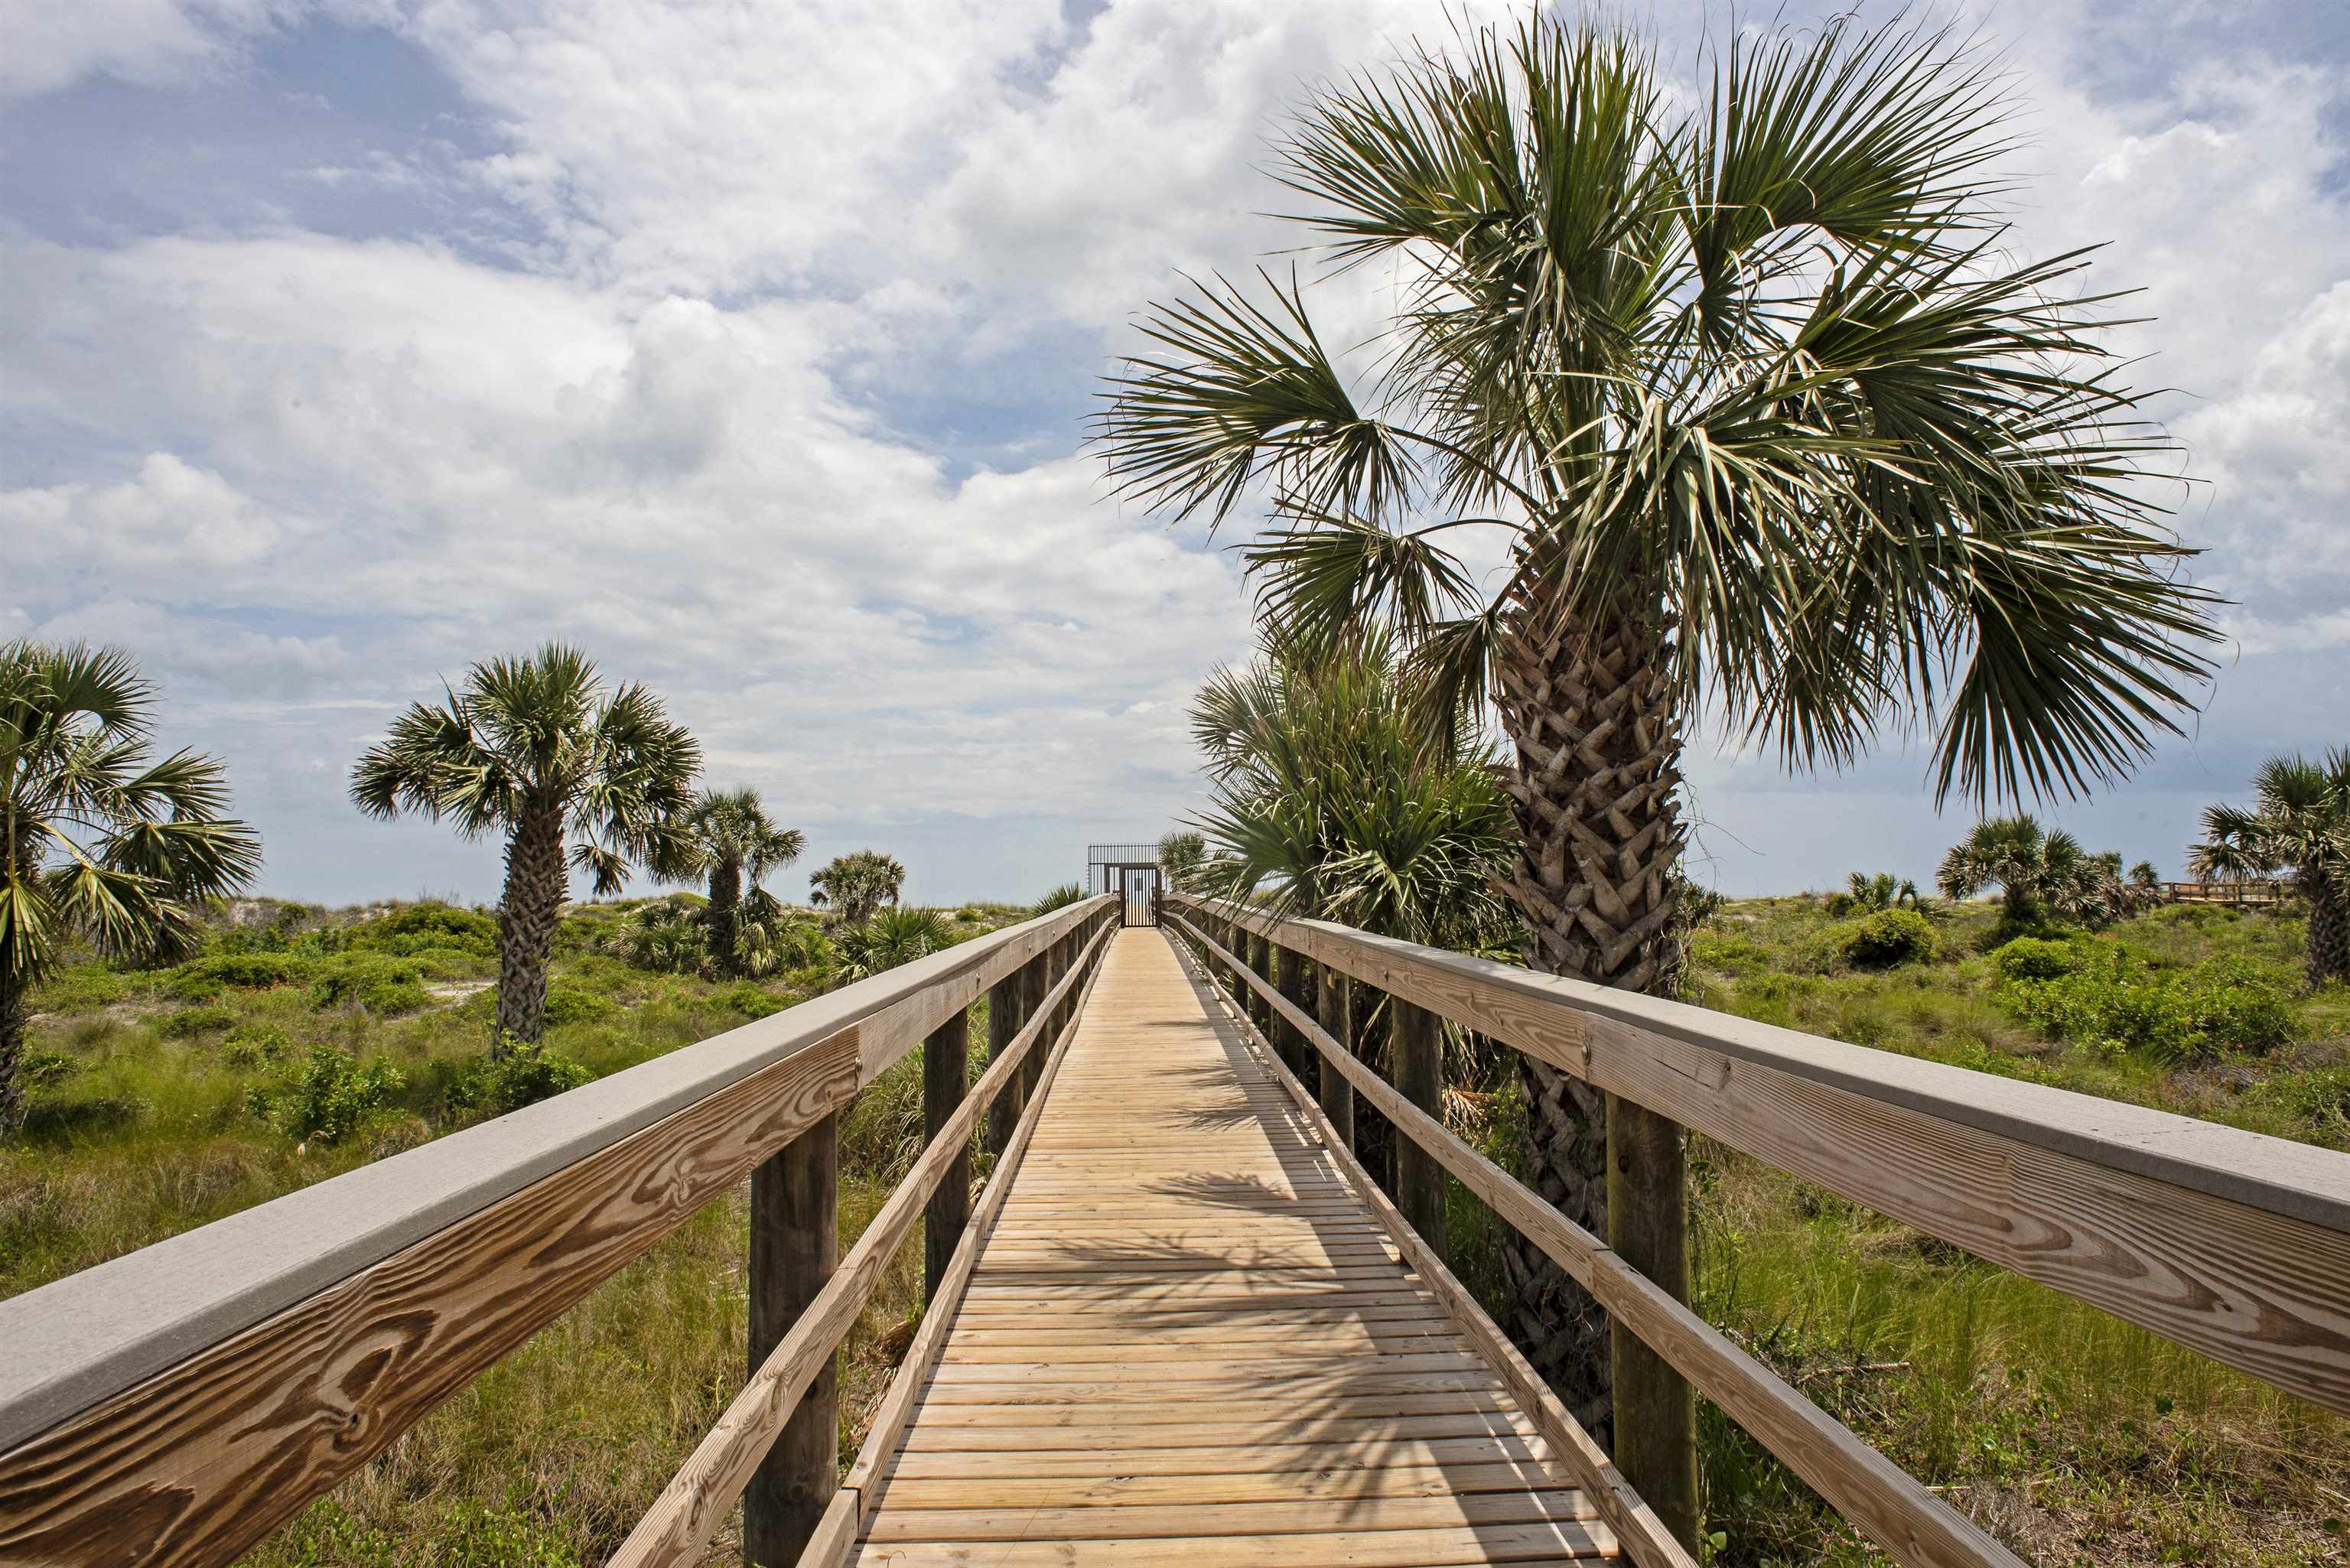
239	1369
2231	1242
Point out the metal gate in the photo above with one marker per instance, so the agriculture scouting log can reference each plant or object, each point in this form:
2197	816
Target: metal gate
1141	889
1129	871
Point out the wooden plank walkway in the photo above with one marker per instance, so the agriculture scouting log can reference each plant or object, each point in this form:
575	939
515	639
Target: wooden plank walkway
1186	1343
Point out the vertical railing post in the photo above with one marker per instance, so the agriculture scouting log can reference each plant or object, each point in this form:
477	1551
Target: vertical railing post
1291	980
1236	942
1648	1225
1006	1012
794	1242
946	1077
1260	959
1337	1094
1418	1057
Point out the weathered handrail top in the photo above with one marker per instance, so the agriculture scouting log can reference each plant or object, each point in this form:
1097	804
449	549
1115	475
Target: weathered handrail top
92	1334
2299	1181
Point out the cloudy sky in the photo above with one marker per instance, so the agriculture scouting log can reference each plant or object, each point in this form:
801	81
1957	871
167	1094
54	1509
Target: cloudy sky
749	344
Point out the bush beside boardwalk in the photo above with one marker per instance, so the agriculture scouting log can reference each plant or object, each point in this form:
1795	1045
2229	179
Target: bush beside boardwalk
170	1099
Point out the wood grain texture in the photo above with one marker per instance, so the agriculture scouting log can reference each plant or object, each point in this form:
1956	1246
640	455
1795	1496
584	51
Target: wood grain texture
1892	1506
690	1510
2232	1243
80	1340
197	1463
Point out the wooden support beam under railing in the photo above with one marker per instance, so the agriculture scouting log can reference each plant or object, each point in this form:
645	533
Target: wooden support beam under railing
171	1406
1896	1509
2232	1243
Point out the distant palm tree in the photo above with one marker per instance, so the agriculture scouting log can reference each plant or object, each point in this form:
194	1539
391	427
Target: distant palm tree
856	886
889	939
1768	420
732	845
534	748
2042	876
1864	894
2300	826
98	842
1060	897
1181	855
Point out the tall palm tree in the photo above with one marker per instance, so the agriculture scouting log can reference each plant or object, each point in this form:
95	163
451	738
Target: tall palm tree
856	886
98	842
1765	418
2041	876
731	844
2298	825
534	748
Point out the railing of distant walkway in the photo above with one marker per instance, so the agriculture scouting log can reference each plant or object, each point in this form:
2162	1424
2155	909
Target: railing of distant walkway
2231	1242
170	1406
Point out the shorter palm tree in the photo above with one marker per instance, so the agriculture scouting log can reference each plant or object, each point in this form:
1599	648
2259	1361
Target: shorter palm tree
889	939
98	842
1330	799
2042	876
857	885
535	749
733	844
2299	825
1060	897
1864	894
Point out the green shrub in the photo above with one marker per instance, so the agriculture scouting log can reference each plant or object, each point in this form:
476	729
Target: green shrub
1729	955
1880	940
327	1097
206	978
750	1000
381	985
570	1004
525	1074
256	1045
420	928
2115	998
81	988
190	1022
2036	957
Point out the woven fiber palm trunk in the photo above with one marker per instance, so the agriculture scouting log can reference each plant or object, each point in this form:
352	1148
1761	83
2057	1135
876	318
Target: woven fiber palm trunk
536	881
2329	928
1592	713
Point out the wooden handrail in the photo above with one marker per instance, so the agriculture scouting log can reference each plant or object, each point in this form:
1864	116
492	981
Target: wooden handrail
1896	1509
2231	1242
330	1321
695	1502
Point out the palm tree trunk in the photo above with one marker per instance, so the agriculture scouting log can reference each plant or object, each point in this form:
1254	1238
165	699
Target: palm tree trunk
724	917
2328	949
1590	708
15	1019
536	882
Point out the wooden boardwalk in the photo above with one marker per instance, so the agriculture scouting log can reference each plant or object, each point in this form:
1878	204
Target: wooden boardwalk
1186	1342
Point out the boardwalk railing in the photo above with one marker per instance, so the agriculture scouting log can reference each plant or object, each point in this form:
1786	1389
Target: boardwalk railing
2242	895
173	1405
2231	1242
